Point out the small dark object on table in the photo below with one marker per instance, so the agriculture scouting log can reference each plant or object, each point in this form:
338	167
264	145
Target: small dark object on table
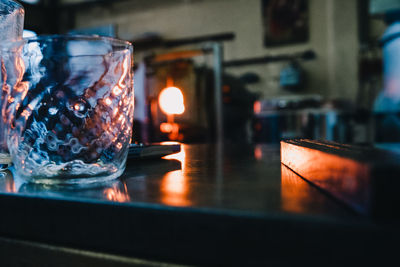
154	150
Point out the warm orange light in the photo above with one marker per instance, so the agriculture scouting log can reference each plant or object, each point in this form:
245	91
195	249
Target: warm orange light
174	186
171	101
9	183
181	156
174	182
167	127
296	194
175	189
257	107
258	154
117	194
344	178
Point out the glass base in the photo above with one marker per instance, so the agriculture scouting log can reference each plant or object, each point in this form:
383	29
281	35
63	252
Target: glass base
4	167
79	181
5	161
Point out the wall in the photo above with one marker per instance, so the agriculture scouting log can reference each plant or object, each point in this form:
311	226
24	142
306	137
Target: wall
333	36
380	6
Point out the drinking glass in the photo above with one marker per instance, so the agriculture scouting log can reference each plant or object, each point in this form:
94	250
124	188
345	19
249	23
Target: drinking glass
11	71
71	121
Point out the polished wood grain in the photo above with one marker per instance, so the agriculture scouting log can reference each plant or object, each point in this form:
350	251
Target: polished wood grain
363	178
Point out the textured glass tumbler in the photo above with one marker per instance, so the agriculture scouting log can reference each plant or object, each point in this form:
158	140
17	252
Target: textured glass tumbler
72	122
11	71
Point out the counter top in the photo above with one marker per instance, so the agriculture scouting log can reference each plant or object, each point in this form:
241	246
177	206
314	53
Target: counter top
208	203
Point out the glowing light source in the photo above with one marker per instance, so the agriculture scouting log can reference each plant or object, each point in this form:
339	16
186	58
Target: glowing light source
171	101
257	107
167	127
258	154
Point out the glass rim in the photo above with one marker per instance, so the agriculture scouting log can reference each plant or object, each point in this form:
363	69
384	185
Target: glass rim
14	44
79	37
11	44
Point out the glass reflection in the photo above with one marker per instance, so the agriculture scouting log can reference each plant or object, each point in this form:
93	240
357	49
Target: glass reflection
115	190
118	192
7	183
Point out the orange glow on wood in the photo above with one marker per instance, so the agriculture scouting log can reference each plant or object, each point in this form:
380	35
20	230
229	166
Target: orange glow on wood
345	178
294	192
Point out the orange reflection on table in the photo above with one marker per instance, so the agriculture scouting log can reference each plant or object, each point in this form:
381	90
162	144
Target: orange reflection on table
10	187
181	156
345	178
117	194
7	183
174	186
174	189
295	193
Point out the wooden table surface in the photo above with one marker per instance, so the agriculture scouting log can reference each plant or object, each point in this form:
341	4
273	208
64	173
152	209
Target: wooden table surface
207	204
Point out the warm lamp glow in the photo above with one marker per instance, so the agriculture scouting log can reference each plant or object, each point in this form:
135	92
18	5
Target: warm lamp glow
167	127
171	101
257	107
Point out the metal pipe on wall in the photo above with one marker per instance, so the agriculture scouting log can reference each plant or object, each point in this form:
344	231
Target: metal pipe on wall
219	112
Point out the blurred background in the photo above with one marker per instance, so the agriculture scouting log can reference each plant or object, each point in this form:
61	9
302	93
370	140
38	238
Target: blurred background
249	70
